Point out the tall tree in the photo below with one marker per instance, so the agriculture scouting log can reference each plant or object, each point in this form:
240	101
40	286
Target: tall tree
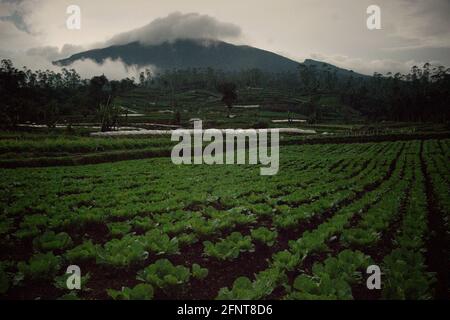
229	94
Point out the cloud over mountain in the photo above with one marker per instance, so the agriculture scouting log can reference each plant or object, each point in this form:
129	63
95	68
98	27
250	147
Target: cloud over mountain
179	26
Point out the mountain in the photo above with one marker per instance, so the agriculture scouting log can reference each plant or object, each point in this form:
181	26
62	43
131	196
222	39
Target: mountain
183	54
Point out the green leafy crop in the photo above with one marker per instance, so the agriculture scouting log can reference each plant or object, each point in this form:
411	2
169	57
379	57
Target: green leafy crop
160	243
264	235
187	238
406	277
245	289
119	228
331	279
164	274
230	247
40	266
359	237
50	241
86	250
199	272
346	199
285	260
142	291
123	252
4	281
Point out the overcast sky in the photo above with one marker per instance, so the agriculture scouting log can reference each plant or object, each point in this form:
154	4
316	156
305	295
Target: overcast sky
413	31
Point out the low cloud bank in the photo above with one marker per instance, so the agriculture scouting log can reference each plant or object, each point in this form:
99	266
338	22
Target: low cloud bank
368	67
41	59
112	69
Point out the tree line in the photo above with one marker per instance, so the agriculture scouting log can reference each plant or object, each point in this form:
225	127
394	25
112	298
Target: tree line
423	94
47	97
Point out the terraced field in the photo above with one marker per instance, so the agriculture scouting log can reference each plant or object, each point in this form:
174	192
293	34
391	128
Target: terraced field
149	229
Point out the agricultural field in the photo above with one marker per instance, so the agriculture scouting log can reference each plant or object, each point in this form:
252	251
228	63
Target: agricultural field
148	229
268	104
